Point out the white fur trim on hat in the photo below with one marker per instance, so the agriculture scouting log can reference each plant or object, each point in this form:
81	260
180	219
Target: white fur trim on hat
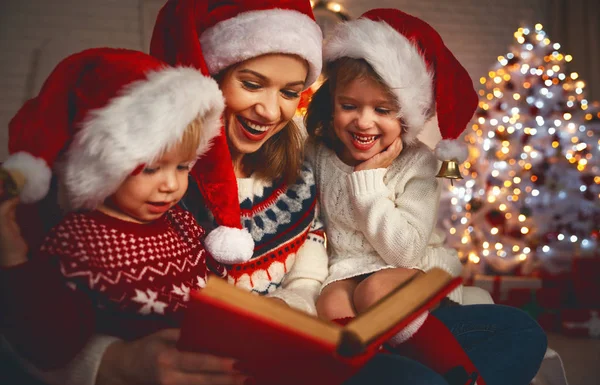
254	33
395	59
230	245
36	172
452	149
135	127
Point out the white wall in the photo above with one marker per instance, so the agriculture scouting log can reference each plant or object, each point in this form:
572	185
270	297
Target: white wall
36	34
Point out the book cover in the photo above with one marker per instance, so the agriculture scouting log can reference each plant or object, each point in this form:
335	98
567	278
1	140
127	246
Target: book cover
283	346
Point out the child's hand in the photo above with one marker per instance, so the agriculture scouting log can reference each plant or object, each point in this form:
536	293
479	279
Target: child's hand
384	159
13	248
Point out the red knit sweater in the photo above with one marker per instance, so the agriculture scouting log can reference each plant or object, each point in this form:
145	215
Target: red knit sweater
128	280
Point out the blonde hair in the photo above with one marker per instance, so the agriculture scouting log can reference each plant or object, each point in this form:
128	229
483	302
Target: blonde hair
189	141
319	115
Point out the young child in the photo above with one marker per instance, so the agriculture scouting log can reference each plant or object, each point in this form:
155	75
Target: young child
388	73
121	130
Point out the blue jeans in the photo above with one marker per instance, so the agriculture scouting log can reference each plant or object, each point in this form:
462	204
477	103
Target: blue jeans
505	344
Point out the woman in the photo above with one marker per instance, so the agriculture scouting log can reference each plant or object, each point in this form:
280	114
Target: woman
262	80
254	124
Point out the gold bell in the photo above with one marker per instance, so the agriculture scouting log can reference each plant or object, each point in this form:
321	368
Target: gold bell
449	169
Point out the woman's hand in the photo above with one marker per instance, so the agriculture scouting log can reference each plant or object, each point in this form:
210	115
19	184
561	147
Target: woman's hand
384	159
13	248
154	360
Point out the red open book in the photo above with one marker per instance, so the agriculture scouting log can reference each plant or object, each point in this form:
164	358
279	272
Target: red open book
284	346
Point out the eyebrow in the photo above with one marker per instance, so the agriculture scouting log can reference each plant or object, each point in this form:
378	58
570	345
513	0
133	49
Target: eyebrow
264	78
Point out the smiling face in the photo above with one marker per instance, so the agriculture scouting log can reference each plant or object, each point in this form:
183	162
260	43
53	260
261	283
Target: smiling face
365	119
145	196
261	97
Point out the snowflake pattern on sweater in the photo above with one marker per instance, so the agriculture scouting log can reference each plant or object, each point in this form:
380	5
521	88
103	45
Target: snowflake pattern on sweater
288	236
129	267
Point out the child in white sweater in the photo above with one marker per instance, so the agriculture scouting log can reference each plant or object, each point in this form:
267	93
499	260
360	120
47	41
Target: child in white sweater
388	73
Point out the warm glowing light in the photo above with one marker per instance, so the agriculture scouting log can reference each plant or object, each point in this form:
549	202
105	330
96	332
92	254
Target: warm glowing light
494	231
474	258
574	75
522	218
524	230
502	207
568	58
335	7
539	27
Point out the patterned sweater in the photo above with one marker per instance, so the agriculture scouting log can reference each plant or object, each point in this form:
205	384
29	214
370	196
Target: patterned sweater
128	280
290	260
382	218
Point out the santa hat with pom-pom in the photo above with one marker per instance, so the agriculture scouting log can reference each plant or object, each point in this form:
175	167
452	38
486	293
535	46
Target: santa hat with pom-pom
411	58
212	35
104	112
236	30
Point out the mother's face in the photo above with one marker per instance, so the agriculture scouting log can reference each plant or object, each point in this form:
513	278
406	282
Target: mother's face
261	97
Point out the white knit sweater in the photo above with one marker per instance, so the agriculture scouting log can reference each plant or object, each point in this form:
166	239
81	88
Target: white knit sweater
382	218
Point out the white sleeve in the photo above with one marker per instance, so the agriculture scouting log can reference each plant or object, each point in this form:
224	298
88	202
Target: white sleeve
82	370
397	223
302	284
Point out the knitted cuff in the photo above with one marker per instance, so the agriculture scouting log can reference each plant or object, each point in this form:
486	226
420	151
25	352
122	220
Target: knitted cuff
368	182
300	294
82	370
408	331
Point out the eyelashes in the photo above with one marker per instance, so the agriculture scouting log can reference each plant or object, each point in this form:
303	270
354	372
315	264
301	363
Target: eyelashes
252	86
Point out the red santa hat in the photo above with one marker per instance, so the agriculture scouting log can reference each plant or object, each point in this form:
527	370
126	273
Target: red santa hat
100	115
411	58
212	35
236	30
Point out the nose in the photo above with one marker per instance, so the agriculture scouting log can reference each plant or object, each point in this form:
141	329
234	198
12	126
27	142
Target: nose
365	119
268	107
170	182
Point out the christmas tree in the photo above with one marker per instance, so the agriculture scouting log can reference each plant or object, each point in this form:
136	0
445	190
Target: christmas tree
531	193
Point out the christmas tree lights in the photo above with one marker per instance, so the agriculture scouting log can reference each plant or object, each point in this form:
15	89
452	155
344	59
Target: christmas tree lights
531	193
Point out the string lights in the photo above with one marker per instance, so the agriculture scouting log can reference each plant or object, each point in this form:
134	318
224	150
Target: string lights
533	196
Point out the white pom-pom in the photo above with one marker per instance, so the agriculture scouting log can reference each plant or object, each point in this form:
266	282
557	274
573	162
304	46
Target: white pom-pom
449	149
229	245
36	172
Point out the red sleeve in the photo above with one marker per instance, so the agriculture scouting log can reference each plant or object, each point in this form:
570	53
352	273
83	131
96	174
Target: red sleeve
44	320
